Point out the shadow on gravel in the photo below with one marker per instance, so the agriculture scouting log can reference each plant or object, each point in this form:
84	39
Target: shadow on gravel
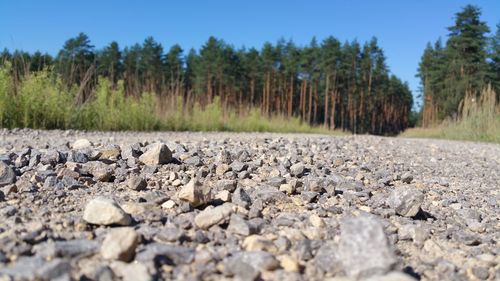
410	271
423	215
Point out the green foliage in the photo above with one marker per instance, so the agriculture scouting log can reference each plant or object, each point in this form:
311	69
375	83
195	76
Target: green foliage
7	104
43	102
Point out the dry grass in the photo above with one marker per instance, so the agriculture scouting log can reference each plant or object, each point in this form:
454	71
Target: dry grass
479	121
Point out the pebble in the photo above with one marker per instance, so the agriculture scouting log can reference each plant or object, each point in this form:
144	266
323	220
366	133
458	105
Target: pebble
103	211
120	244
195	193
213	215
406	201
156	154
364	249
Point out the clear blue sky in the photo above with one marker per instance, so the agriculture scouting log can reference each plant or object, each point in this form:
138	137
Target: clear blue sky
402	27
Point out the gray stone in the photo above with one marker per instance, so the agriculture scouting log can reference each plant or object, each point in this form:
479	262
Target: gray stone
165	253
66	249
120	244
194	161
259	260
364	249
103	211
211	216
297	170
238	166
326	258
99	170
238	225
131	151
156	154
7	175
137	183
407	177
406	201
241	270
241	198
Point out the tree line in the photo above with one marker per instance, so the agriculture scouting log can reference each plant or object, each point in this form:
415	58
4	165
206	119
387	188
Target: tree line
337	85
460	68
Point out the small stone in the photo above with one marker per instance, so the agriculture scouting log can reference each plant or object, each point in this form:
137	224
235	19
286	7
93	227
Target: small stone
238	225
156	154
289	263
238	166
100	171
287	188
407	177
195	193
66	249
406	201
7	175
222	169
224	196
81	143
258	243
120	244
297	170
229	185
364	248
103	211
241	198
137	183
111	151
169	204
211	216
316	221
258	259
135	271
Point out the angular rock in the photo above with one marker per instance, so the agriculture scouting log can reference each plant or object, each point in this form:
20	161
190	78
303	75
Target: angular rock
7	175
111	151
156	154
120	244
297	170
137	183
406	201
103	211
211	216
100	171
241	198
195	193
238	225
364	249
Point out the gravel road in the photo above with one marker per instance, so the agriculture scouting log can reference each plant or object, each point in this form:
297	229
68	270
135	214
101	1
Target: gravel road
249	206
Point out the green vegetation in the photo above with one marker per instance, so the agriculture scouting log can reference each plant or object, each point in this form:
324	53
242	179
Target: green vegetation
42	102
282	86
461	83
466	65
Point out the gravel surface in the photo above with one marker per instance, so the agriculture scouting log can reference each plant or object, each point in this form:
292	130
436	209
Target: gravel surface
222	206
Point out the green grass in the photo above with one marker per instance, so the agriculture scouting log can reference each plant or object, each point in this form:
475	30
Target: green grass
42	102
480	121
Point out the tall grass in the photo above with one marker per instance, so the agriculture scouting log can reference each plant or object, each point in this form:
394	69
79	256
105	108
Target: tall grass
479	121
41	101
